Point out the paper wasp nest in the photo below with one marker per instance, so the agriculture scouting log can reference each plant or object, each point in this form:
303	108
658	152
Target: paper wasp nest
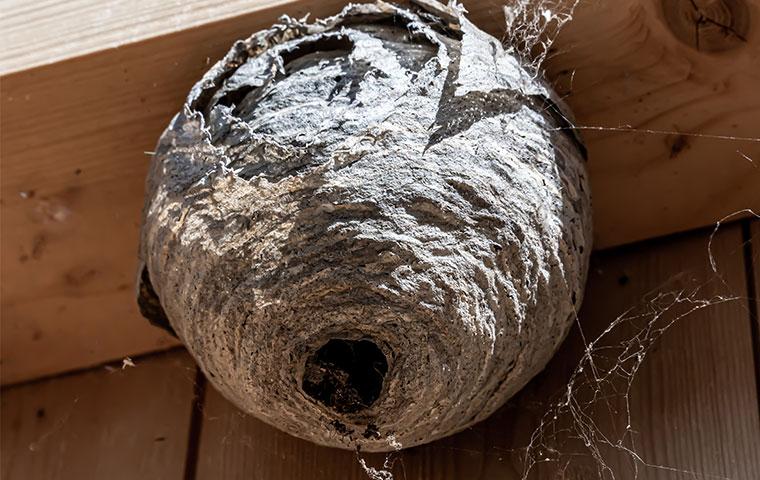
369	231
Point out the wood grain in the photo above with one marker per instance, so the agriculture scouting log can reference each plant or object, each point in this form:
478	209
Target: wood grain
63	30
693	404
73	137
681	168
117	424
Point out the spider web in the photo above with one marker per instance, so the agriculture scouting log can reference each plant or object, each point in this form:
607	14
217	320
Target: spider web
532	26
586	420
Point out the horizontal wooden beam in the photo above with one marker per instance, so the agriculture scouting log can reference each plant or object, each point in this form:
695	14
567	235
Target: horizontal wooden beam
671	132
50	31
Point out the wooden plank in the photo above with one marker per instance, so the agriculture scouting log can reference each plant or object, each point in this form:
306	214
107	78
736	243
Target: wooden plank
236	446
73	137
63	30
693	404
619	65
130	423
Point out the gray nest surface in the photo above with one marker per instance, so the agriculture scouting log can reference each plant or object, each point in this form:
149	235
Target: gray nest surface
370	231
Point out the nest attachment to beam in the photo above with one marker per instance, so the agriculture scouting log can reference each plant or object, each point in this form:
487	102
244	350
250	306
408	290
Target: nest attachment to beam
371	230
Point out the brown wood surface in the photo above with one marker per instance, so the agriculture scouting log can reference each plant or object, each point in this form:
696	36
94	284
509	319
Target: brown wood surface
74	136
694	404
102	424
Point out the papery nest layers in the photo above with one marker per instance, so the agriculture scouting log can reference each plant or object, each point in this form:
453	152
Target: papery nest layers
370	231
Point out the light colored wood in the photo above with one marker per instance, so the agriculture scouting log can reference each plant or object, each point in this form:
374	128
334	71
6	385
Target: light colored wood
620	65
68	271
694	405
73	137
49	31
118	424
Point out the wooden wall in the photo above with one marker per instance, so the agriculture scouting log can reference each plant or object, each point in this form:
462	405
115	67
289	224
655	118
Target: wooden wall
694	402
87	86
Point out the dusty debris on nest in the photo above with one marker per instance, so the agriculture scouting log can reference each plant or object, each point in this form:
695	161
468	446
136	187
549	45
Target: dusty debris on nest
370	231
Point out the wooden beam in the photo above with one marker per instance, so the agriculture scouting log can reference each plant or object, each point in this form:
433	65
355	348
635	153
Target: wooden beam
48	31
76	134
752	266
691	154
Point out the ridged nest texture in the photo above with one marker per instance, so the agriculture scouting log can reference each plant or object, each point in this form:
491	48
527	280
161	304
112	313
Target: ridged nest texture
370	231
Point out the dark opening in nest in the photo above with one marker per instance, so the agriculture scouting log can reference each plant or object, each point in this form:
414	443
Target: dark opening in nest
345	375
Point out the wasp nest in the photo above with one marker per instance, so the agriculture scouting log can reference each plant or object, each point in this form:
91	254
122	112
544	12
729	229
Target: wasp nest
369	231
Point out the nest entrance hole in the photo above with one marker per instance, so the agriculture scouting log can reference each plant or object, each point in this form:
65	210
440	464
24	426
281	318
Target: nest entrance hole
345	375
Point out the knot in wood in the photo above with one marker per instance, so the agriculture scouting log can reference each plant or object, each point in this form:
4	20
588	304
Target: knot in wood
708	25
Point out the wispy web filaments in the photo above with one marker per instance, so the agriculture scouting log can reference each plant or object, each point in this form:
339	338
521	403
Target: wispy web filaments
600	387
532	27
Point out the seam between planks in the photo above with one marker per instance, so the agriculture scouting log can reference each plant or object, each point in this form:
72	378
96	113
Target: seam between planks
196	425
752	299
115	363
